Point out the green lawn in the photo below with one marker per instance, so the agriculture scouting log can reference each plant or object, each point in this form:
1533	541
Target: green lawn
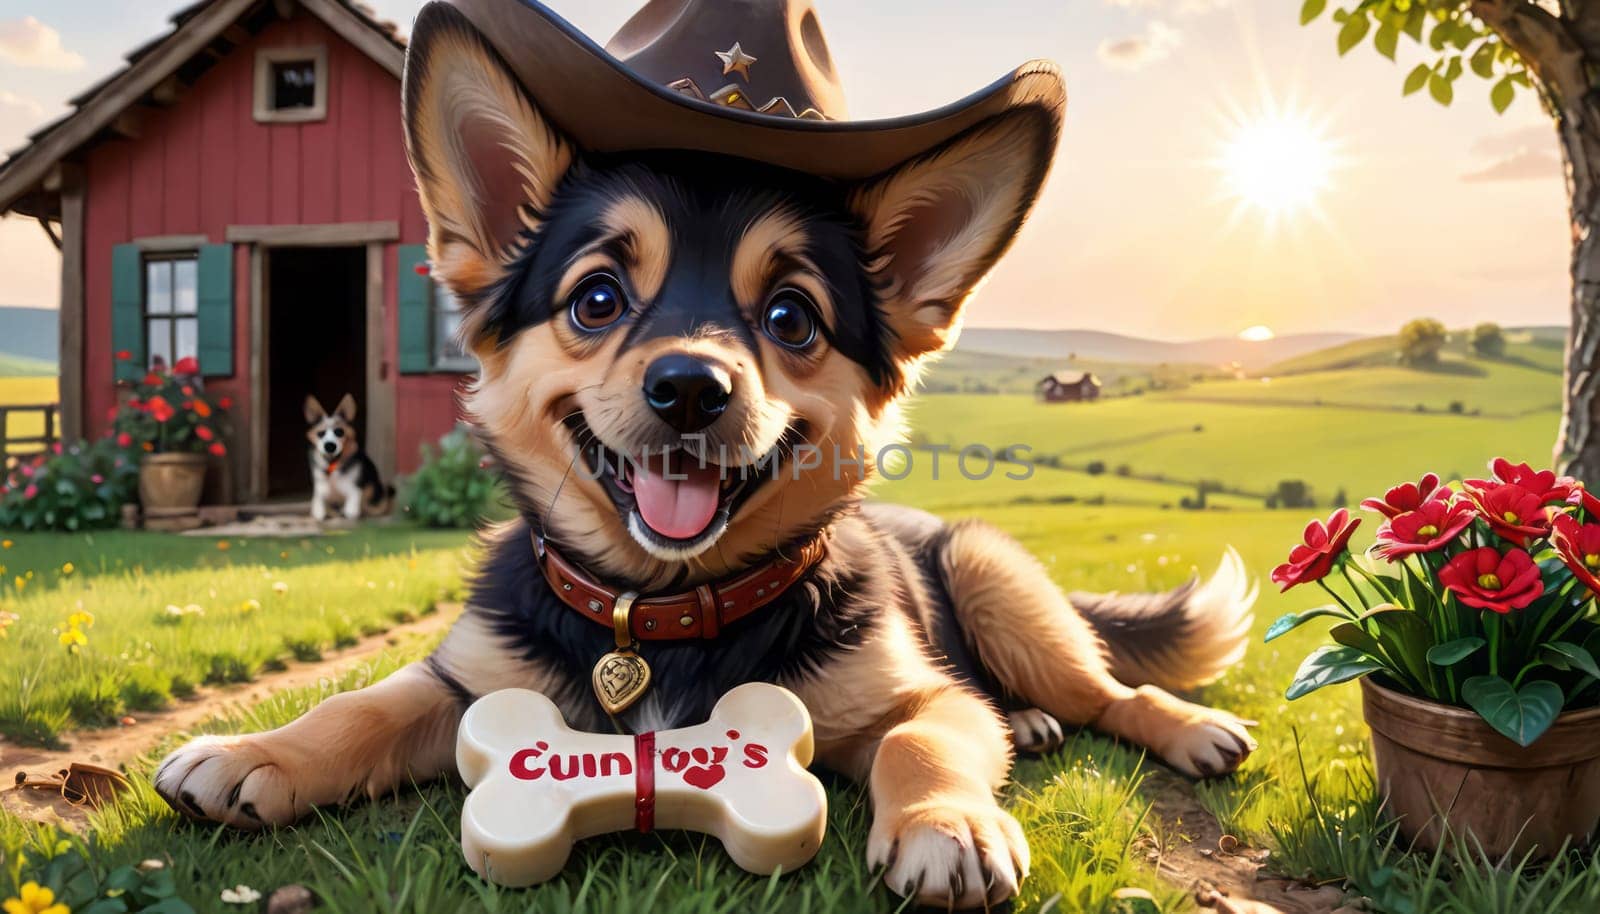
1307	794
171	612
1245	445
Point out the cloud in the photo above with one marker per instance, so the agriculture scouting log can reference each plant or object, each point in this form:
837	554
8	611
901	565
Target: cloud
30	43
1524	154
1523	165
18	115
1134	52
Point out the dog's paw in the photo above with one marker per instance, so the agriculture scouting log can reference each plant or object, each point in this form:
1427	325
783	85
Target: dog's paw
1209	745
952	854
232	780
1032	730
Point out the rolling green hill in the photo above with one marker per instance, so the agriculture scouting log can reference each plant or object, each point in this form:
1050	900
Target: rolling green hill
21	366
1345	419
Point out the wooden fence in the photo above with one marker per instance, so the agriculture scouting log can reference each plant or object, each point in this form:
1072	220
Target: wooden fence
36	436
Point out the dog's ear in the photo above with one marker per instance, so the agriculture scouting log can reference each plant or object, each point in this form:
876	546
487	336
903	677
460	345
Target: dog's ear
346	409
314	411
937	224
487	163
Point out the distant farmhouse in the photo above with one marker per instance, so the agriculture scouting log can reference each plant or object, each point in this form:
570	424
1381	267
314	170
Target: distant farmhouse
1068	387
238	192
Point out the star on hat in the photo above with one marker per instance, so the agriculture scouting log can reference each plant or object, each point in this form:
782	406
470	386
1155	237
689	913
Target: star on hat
735	60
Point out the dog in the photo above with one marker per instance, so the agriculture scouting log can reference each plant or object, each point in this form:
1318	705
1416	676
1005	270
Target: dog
343	477
667	336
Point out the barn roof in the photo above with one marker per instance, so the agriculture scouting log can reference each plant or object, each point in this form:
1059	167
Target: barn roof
156	72
1069	378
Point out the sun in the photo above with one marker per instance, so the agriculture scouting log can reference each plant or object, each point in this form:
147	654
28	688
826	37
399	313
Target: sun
1260	333
1277	161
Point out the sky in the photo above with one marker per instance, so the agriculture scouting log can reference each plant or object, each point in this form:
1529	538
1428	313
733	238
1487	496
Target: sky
1455	213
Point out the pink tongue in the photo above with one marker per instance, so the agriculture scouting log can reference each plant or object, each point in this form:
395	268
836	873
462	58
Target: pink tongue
680	504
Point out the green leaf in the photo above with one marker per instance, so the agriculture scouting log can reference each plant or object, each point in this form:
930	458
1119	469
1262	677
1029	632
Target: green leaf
1439	87
1288	622
1416	18
1501	94
1311	9
1452	70
105	906
1565	655
1329	665
1354	29
1416	79
1453	652
1522	715
1352	635
1483	60
1387	39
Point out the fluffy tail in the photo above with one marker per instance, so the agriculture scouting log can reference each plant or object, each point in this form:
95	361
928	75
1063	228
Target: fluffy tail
1180	639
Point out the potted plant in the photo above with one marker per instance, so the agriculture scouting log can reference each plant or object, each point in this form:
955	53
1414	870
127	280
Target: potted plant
1474	628
170	418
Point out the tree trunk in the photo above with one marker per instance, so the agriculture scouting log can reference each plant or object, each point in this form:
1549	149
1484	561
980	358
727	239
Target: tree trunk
1577	450
1561	46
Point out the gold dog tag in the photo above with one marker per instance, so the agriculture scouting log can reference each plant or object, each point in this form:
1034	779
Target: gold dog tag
621	676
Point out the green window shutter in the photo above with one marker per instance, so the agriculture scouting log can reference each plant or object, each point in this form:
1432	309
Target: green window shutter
215	271
127	313
415	293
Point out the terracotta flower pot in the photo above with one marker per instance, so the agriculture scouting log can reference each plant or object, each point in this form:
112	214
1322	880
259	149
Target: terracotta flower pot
171	480
1439	764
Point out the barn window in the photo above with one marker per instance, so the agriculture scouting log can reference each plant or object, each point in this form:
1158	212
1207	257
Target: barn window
171	308
291	85
447	352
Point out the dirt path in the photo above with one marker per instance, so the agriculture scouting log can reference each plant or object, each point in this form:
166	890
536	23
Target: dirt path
1221	872
114	747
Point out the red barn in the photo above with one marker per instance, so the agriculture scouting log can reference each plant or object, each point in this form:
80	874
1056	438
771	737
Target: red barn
239	192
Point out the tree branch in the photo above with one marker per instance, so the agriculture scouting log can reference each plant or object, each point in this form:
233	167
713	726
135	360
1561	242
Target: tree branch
1552	51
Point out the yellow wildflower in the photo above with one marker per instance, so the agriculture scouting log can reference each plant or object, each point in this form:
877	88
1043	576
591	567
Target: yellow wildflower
223	545
73	638
81	619
7	619
250	606
6	544
34	899
68	568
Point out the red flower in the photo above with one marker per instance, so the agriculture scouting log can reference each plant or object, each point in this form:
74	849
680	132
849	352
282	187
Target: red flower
1579	547
1429	528
111	414
225	403
1324	543
1514	512
160	409
123	355
30	491
204	433
188	390
1486	579
1408	496
217	448
124	440
153	379
188	365
1545	484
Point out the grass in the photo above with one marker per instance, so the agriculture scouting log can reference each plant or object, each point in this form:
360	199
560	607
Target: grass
1307	794
1246	445
172	613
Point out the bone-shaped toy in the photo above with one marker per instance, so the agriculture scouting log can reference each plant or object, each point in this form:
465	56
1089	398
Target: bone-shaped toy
538	786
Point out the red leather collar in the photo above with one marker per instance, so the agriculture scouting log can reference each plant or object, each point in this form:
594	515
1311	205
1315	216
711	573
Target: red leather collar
700	613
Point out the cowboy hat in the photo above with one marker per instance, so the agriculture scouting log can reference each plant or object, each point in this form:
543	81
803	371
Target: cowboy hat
748	78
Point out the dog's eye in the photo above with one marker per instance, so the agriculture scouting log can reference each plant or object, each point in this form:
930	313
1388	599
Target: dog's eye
338	433
598	303
790	320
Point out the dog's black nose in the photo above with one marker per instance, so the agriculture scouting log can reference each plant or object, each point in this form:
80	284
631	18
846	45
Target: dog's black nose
330	446
687	393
